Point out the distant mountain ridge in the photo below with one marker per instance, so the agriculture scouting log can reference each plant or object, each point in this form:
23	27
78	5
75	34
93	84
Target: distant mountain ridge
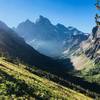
46	37
14	47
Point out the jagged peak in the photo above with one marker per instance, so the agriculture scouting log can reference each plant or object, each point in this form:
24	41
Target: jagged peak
3	26
2	23
43	19
28	21
60	25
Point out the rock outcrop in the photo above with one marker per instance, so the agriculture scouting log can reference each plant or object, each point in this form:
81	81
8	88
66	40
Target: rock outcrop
91	47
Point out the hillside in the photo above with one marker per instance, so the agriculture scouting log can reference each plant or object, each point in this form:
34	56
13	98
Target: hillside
14	47
87	59
26	85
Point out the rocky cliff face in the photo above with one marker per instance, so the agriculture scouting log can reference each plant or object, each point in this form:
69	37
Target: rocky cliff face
91	47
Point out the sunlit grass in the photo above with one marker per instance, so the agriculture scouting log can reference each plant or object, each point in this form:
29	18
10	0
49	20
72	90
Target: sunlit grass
17	82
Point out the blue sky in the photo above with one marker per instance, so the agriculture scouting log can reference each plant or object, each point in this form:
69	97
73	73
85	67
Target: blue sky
77	13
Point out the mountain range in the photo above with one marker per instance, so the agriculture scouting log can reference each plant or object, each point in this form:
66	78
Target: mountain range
19	59
50	40
26	74
13	46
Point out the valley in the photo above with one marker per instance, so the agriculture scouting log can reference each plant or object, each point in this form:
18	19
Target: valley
44	58
27	85
21	64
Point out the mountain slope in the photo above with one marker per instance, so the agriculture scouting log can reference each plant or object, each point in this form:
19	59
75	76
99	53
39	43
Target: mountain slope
25	85
89	57
14	47
93	51
46	37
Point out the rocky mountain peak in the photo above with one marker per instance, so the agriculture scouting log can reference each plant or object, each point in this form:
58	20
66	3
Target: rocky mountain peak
61	27
44	36
42	20
28	21
3	26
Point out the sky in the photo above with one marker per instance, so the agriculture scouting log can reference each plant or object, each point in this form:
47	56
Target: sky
76	13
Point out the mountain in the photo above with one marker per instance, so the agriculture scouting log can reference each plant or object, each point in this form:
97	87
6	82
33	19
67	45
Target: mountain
3	26
14	47
73	44
87	58
93	51
27	74
51	40
91	47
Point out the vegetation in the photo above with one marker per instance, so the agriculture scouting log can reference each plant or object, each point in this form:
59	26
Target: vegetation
92	74
16	82
80	62
88	69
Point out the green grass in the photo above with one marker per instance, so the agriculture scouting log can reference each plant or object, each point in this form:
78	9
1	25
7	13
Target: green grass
92	74
81	62
17	83
87	68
